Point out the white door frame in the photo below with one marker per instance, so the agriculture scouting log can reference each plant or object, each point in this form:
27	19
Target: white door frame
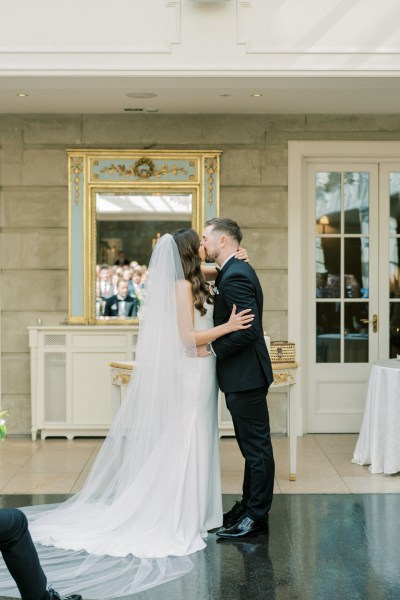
300	153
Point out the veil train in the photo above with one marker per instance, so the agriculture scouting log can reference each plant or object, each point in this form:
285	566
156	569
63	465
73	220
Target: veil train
122	533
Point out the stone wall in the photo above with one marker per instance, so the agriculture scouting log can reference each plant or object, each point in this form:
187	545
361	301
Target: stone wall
33	180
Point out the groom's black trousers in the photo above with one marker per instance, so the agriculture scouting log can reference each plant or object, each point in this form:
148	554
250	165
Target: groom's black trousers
20	555
251	422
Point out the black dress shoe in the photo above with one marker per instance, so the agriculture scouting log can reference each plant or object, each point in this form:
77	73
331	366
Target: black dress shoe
53	595
232	516
246	527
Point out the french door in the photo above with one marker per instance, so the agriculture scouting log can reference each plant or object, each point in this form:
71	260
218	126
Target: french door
343	285
352	285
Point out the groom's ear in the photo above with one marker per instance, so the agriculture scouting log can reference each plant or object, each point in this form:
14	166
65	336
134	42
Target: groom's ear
222	241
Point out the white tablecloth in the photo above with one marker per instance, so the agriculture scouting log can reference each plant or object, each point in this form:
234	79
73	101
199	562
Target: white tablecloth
378	444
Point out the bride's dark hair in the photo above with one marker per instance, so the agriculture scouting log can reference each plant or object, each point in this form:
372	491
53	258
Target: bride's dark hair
188	243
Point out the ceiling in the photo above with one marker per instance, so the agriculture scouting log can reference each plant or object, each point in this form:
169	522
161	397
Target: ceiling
201	94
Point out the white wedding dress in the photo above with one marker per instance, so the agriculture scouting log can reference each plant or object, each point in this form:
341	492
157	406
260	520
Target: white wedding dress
154	489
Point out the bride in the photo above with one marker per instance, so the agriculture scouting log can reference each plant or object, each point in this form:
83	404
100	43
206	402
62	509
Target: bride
154	489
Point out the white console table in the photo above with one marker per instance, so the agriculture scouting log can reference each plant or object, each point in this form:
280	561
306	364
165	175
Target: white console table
70	392
284	377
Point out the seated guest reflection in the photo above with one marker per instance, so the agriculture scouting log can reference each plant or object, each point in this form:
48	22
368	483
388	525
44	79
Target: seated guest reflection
121	304
127	274
135	285
105	289
114	282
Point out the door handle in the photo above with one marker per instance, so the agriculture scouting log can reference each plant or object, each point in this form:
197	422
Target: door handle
374	322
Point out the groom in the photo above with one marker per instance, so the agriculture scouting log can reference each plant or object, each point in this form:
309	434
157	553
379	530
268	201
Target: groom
244	374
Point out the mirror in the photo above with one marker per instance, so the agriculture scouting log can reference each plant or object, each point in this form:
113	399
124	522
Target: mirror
127	229
120	203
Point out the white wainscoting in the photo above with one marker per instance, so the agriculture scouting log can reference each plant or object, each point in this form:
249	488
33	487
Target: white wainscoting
70	390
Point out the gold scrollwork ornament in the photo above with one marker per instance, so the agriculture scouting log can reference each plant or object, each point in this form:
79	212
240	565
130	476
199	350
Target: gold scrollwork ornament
282	378
121	378
144	168
77	170
210	168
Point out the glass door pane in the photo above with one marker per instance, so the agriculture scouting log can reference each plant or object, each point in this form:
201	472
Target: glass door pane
394	262
342	266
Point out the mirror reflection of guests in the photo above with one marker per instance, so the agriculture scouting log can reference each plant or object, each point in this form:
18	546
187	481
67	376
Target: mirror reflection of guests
126	273
153	492
136	284
107	284
121	305
121	258
105	288
114	282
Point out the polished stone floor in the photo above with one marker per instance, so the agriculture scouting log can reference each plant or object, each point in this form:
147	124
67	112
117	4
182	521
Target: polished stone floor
60	466
322	547
334	533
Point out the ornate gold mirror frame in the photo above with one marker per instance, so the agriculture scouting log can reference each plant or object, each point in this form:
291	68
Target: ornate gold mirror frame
95	174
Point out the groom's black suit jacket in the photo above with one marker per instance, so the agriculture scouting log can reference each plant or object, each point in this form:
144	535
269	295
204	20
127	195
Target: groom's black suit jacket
243	361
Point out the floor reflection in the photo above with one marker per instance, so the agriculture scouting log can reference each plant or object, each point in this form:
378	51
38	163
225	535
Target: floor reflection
322	547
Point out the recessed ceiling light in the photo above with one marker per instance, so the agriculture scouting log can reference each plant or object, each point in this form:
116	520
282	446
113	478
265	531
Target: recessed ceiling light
133	109
22	95
141	95
256	95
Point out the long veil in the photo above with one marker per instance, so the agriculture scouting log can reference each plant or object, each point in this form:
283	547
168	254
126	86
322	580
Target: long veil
122	532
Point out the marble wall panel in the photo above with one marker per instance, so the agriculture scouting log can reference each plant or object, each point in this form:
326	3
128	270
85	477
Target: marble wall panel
274	284
15	337
275	166
288	123
11	155
52	129
33	207
353	123
254	207
275	323
138	131
15	372
238	130
40	290
267	248
241	167
19	413
40	249
44	167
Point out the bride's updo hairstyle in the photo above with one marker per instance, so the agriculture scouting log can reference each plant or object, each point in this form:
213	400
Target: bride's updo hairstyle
188	243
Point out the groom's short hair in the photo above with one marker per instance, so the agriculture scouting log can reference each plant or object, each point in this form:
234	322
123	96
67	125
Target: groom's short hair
226	226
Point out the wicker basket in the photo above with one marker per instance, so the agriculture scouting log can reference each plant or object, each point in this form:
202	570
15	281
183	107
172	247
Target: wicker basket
282	352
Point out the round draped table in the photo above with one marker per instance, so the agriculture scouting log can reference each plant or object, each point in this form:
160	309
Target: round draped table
378	444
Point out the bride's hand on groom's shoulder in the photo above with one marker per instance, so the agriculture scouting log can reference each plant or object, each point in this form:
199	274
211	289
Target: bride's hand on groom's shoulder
239	320
241	254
